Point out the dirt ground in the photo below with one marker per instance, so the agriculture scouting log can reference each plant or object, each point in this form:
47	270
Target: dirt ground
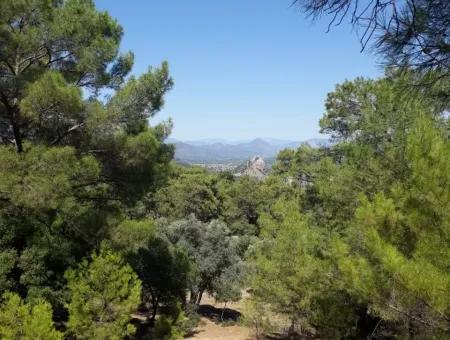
210	328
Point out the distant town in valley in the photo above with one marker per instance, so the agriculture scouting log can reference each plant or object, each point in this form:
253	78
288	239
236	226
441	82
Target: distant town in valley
226	155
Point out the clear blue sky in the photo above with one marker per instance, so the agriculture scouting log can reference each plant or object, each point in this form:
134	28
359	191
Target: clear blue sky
242	68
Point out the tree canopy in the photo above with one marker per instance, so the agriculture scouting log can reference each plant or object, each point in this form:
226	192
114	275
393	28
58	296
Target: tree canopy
411	33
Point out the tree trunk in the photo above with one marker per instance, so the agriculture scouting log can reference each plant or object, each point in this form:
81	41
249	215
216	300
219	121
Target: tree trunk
200	295
223	311
291	331
17	136
154	309
13	112
193	296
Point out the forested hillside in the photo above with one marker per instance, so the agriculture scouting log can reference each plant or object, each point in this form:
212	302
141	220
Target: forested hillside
104	236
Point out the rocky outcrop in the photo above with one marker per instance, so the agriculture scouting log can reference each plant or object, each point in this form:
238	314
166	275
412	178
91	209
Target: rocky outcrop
255	167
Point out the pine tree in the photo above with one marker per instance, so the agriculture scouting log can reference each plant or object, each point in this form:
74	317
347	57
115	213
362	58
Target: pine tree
104	292
71	160
26	321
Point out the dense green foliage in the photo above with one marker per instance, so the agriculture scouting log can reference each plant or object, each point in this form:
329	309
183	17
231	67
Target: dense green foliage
370	233
212	250
71	165
26	321
103	294
163	269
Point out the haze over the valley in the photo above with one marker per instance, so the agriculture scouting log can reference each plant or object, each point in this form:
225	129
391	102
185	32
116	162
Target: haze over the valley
207	151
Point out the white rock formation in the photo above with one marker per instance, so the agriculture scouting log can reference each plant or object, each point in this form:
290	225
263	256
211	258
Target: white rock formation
256	167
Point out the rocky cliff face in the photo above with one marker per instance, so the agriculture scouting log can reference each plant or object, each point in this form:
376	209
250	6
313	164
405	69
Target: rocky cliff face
256	167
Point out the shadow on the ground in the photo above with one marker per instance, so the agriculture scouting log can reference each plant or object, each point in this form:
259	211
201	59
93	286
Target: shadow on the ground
215	314
191	333
284	336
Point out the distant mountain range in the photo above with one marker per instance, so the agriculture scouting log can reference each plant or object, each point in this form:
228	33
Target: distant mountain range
207	151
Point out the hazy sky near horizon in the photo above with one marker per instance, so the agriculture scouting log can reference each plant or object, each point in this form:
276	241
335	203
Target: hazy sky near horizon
242	68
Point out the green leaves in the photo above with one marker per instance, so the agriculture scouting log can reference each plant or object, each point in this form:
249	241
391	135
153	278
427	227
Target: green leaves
396	258
45	178
162	268
191	191
47	213
212	250
103	294
8	259
79	164
26	321
288	275
372	244
53	107
86	42
141	98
